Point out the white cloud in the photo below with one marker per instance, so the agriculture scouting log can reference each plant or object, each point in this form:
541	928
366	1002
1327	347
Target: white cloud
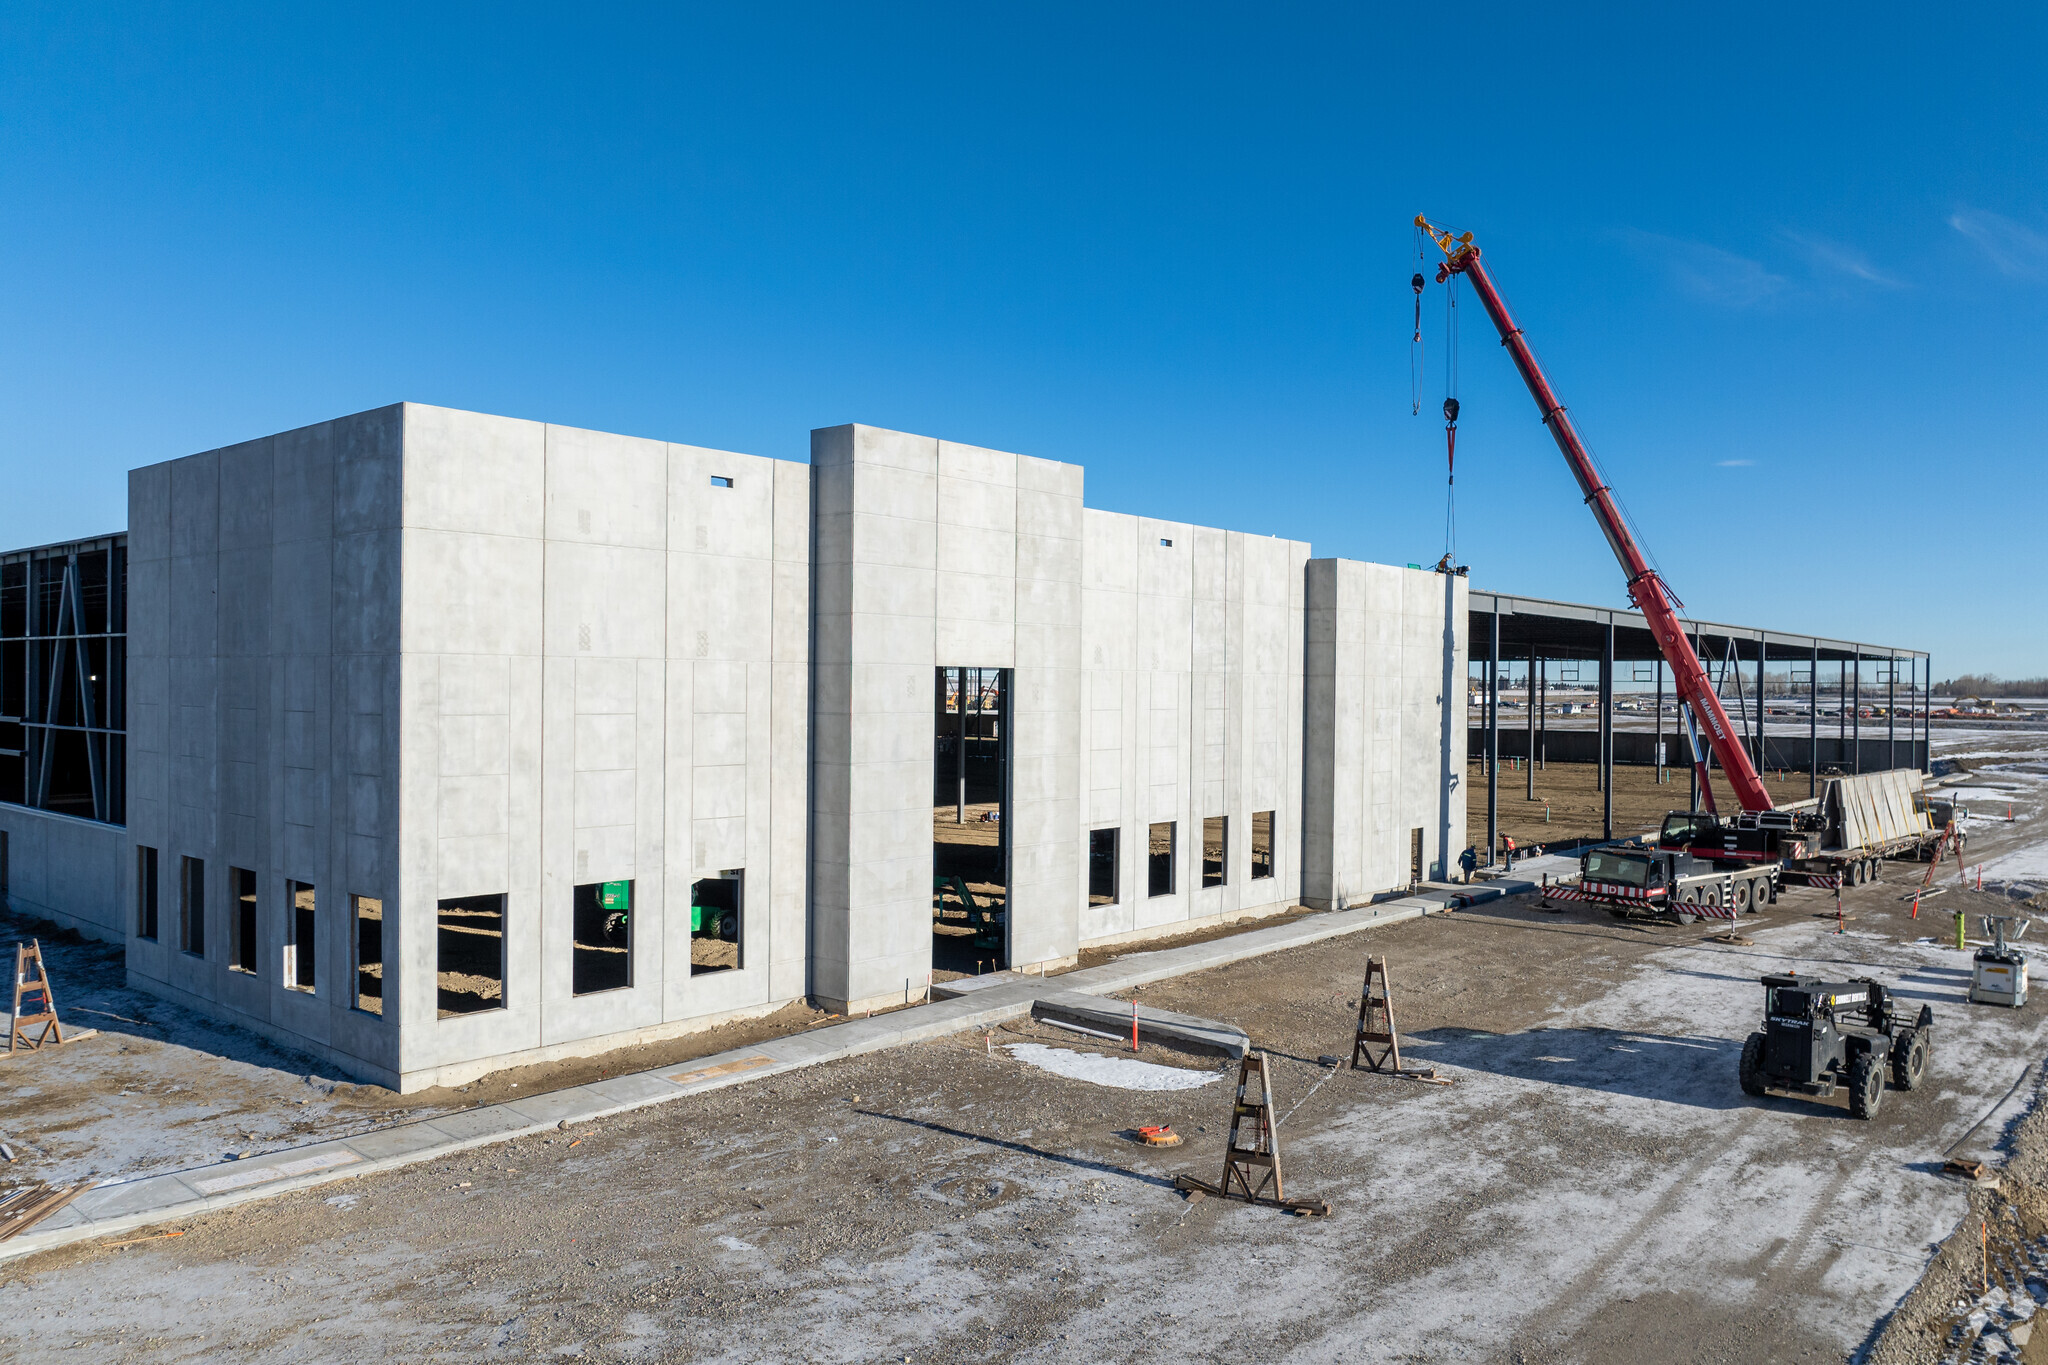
1707	272
1835	258
2014	249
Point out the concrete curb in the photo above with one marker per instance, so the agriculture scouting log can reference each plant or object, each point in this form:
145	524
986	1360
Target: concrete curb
123	1205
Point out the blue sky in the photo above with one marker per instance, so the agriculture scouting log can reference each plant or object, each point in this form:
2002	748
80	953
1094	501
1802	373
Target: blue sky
1788	267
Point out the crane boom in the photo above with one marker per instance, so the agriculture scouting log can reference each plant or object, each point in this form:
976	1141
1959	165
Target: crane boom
1646	587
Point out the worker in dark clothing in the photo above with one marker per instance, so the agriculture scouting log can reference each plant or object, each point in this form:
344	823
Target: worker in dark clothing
1469	860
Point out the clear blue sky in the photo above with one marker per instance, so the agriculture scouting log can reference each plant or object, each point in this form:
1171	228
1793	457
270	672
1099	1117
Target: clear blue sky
1788	266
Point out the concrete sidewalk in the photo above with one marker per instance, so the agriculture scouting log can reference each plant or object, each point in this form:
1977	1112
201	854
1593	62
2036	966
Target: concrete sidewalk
119	1205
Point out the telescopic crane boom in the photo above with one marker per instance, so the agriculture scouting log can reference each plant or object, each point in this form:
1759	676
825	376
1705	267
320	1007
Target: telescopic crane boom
1645	587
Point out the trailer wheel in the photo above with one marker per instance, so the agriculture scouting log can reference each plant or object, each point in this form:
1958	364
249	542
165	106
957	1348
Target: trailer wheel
1877	869
1741	900
1866	1086
1750	1071
1909	1059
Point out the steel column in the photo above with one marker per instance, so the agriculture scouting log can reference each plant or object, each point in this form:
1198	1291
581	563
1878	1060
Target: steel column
1891	713
1607	733
1492	734
1856	712
1813	724
1529	750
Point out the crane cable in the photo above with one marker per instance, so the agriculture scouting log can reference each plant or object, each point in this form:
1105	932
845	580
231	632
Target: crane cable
1415	355
1451	420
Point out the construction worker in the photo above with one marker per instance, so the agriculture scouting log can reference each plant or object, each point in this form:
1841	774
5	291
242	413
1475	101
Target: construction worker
1469	860
1508	846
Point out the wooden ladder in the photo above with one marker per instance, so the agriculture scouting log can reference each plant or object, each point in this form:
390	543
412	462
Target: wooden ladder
33	1001
1376	1046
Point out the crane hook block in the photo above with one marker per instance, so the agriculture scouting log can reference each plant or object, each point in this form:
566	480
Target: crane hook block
1417	282
1451	411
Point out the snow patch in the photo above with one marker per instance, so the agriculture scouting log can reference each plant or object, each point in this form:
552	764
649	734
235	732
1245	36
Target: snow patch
1121	1073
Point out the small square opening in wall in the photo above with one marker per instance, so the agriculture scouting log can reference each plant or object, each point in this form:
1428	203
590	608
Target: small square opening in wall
721	481
1159	879
302	930
1262	844
1102	866
602	928
1215	849
242	921
469	955
1165	544
717	905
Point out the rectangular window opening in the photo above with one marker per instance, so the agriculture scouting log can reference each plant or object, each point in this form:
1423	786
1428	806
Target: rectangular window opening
145	892
192	906
300	948
368	943
716	907
1159	880
603	937
242	926
1102	866
1165	544
1262	844
1415	857
720	481
469	955
1215	850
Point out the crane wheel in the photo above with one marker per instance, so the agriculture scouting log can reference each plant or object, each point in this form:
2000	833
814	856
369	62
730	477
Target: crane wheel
1741	902
1866	1086
1909	1058
1751	1069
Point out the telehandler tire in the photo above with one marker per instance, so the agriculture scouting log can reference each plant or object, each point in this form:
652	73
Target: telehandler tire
1909	1058
1866	1086
1751	1068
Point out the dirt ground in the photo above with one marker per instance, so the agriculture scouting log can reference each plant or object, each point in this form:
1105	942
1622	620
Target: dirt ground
1593	1188
1570	793
162	1087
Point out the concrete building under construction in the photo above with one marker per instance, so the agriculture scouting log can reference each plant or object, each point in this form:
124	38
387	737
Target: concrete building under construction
446	742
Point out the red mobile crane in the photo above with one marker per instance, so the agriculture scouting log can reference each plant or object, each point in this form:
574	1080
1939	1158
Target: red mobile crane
1646	587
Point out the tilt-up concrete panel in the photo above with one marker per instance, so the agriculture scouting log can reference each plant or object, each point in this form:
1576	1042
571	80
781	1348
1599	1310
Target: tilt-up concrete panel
1386	654
1192	644
932	554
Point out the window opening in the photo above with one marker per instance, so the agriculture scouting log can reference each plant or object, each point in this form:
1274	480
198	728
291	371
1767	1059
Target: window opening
1414	857
1159	881
1262	844
368	941
720	481
1102	866
970	822
1215	849
717	905
145	892
192	906
469	955
242	926
1165	544
301	953
602	930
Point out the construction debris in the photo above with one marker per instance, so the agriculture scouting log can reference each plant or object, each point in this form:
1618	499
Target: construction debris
1261	1155
26	1207
34	992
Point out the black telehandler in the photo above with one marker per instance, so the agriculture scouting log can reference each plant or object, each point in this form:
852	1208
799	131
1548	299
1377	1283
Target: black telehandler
1822	1035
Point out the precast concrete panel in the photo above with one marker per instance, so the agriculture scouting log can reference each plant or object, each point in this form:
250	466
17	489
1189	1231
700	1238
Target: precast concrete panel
1382	645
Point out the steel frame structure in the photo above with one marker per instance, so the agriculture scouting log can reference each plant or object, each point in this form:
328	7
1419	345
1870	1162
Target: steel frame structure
63	671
